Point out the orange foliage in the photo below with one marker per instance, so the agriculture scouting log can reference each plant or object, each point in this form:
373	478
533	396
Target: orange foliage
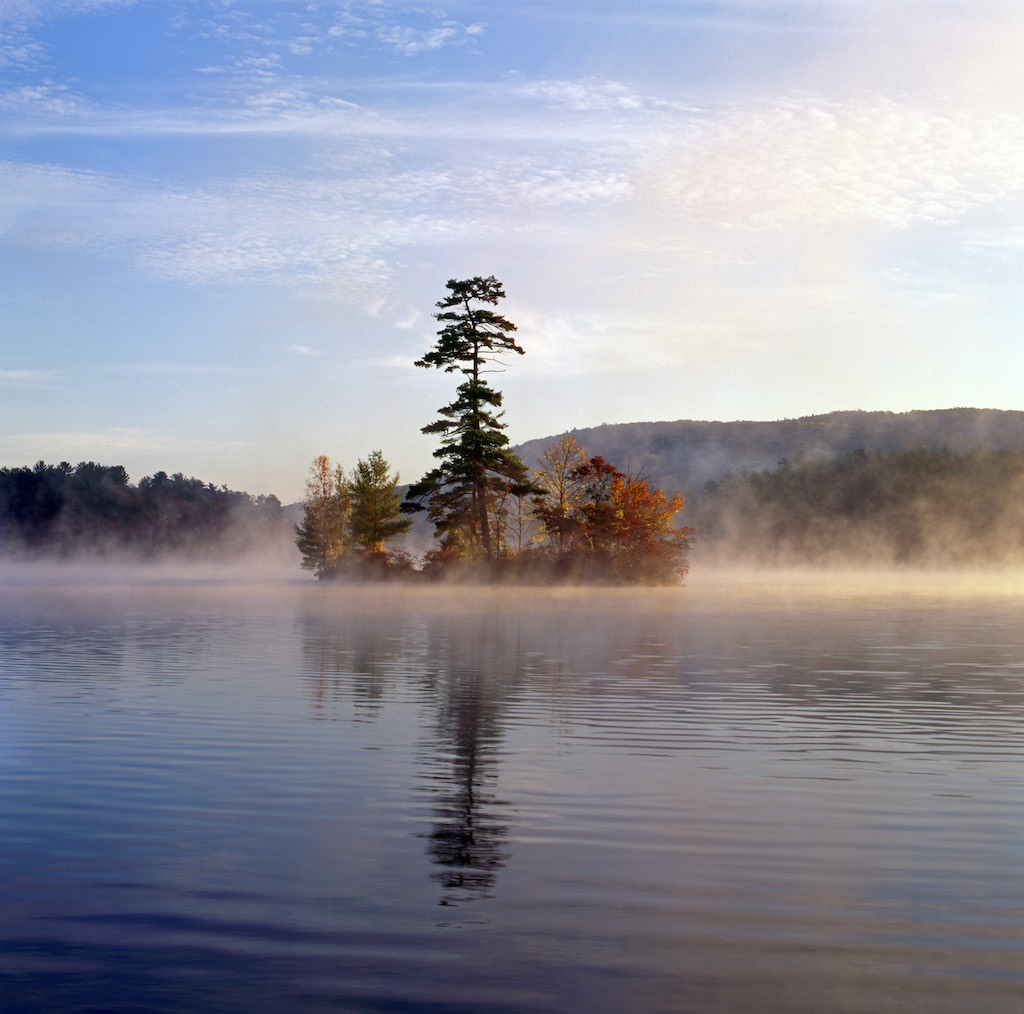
623	528
646	543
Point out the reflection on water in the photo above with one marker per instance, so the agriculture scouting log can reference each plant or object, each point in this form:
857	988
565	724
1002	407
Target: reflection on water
761	798
465	676
468	840
470	677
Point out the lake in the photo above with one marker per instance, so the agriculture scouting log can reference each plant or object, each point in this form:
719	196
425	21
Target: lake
770	793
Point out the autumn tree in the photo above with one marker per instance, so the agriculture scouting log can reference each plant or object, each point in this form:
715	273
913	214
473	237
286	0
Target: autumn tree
646	544
324	531
594	511
375	504
475	463
563	487
602	522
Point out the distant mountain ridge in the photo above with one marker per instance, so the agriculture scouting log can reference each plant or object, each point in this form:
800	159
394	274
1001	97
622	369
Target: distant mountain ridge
686	454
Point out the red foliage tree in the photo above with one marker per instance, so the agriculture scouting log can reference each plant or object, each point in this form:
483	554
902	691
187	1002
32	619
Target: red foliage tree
623	529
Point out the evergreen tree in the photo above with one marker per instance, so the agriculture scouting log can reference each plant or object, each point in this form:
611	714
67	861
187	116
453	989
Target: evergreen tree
475	463
324	531
376	504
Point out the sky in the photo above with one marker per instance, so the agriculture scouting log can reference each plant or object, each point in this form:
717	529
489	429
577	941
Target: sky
224	226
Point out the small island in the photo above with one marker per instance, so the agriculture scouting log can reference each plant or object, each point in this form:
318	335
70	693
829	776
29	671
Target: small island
574	518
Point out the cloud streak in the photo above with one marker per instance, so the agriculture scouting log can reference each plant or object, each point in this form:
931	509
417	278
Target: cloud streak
801	159
26	378
70	444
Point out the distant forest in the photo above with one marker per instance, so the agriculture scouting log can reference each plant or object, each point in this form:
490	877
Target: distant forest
94	510
685	454
918	507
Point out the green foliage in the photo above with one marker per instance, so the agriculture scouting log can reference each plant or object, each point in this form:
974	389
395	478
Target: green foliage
472	334
476	468
347	521
376	504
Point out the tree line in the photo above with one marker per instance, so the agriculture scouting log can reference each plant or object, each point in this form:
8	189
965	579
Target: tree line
68	510
914	507
572	517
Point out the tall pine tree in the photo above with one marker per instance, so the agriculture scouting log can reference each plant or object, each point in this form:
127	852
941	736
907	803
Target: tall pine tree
475	463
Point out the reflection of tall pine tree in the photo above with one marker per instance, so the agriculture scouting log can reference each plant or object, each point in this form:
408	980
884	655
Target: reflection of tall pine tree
466	668
475	671
467	842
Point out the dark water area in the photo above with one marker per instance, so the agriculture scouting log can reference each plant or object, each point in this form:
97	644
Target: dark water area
744	795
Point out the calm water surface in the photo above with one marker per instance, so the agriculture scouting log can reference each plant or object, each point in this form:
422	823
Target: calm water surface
725	798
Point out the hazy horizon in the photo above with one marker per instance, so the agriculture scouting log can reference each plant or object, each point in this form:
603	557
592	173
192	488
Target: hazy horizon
554	436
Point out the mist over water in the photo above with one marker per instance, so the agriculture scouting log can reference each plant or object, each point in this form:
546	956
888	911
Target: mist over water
763	791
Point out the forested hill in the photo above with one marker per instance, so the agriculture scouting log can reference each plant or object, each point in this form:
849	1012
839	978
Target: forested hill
685	454
94	510
919	507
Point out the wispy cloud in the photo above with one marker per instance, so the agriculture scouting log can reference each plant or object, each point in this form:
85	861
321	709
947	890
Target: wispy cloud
18	50
808	159
584	94
68	445
411	41
43	98
305	350
26	378
20	47
289	226
800	159
303	31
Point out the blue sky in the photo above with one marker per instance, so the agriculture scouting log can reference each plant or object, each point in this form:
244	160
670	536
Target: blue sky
224	226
